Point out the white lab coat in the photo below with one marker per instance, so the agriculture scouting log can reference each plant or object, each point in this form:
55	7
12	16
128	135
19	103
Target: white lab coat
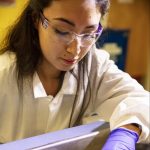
115	97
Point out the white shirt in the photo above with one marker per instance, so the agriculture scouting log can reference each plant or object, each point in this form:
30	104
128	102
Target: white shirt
115	97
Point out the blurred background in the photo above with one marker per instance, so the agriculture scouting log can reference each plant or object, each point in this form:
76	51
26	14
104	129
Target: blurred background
126	35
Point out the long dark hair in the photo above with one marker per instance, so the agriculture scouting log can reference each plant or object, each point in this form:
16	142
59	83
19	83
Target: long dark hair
22	39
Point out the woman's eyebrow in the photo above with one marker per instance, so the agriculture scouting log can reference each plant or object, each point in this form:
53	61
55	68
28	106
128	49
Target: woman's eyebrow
73	24
66	21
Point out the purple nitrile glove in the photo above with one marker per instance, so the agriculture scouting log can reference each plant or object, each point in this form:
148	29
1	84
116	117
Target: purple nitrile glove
121	139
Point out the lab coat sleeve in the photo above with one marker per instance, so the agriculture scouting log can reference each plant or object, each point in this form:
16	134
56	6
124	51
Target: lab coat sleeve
120	99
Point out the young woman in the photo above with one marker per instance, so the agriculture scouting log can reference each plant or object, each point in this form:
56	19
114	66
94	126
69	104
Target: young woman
54	77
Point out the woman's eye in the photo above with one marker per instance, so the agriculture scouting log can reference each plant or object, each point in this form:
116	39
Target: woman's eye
88	36
61	32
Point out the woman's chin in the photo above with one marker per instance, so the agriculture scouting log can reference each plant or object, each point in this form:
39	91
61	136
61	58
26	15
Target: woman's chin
66	68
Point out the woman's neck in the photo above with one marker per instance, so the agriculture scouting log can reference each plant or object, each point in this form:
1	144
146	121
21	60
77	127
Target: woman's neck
51	78
48	72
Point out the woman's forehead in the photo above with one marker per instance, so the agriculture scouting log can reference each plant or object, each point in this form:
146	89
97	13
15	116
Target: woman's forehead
76	11
74	4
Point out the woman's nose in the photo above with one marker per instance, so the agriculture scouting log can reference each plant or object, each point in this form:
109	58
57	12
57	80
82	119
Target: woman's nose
74	47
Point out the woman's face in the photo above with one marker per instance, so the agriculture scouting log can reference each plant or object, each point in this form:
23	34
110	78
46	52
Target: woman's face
65	17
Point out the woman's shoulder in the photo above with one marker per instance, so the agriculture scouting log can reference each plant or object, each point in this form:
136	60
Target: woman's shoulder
7	59
100	55
7	67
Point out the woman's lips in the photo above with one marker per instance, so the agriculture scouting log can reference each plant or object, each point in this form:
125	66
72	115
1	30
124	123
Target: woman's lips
69	61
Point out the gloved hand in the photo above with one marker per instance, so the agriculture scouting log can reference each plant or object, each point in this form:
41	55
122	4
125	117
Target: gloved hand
121	139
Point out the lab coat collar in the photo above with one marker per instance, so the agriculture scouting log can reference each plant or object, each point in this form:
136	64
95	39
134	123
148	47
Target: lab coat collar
69	86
